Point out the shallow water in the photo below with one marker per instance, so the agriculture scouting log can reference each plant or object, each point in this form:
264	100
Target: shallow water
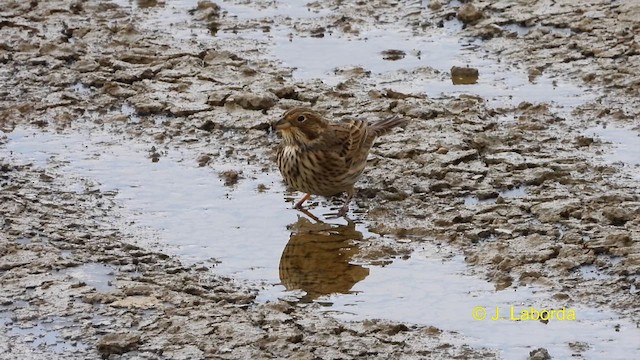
318	58
98	276
626	146
47	333
429	290
517	192
197	218
43	333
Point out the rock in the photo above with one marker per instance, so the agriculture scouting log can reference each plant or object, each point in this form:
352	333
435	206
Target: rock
537	176
117	90
218	98
393	54
129	76
392	94
476	235
464	75
456	157
206	11
584	141
247	70
617	216
286	92
539	354
186	109
252	101
206	4
435	5
620	239
86	65
230	177
508	157
503	281
136	302
534	73
209	126
145	106
203	160
185	352
392	330
489	31
65	52
392	196
318	32
117	344
469	14
554	211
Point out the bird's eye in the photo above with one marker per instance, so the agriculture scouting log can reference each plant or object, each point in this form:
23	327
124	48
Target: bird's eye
301	118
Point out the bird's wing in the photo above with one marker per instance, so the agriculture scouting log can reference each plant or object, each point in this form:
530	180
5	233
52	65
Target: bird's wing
344	140
358	139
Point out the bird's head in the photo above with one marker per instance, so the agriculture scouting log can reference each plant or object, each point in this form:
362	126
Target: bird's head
300	126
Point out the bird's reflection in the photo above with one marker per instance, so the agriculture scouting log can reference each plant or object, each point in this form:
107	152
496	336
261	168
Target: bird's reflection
317	258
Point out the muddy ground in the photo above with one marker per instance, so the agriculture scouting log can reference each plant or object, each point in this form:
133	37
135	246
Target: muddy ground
64	63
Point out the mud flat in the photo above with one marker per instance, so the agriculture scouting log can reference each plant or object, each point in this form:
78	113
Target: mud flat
134	132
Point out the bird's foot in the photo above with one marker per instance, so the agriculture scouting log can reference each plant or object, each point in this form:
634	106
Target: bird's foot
343	210
341	213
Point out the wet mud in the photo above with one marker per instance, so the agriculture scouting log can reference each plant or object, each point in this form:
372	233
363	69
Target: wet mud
519	165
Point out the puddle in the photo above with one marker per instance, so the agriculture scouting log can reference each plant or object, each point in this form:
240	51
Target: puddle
200	219
517	192
98	276
81	89
196	217
425	69
523	31
130	111
23	241
441	295
291	8
591	272
166	15
432	288
319	57
626	150
47	334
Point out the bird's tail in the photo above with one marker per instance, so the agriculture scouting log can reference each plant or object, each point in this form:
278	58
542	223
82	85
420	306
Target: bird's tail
383	126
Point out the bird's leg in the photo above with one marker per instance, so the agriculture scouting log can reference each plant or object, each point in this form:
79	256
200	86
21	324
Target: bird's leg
310	215
298	205
345	208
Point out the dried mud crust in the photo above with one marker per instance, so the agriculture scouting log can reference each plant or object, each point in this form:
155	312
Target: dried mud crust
66	62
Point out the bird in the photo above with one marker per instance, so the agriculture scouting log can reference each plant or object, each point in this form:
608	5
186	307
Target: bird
322	157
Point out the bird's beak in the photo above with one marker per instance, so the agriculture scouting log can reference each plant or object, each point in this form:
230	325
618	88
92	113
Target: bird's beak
281	125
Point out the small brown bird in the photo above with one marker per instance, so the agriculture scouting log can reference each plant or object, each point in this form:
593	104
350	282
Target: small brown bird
320	157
